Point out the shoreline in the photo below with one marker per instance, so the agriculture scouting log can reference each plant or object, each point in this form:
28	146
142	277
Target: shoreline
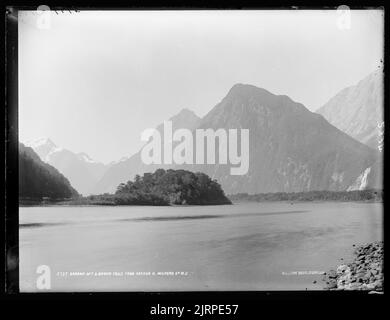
364	273
361	196
308	201
28	205
71	204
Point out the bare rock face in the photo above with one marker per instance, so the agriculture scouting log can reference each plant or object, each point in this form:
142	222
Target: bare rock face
358	110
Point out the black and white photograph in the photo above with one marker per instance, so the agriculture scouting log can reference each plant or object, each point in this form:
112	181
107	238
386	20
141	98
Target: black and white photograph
200	150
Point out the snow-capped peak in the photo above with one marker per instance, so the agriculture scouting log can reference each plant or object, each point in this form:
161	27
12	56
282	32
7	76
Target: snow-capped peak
36	143
44	147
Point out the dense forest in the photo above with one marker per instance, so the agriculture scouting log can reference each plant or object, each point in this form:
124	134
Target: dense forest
39	180
358	195
175	187
163	187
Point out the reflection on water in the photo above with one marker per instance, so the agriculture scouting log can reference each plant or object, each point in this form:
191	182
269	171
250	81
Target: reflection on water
174	218
38	225
247	246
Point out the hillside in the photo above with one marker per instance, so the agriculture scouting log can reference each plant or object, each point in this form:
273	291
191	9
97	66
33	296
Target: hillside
38	180
82	171
358	110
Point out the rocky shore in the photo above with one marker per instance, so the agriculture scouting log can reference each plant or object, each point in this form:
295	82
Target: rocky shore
365	272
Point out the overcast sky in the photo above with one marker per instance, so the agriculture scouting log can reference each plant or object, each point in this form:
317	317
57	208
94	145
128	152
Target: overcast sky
94	80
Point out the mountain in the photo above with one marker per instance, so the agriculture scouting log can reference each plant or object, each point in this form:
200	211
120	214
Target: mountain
291	149
82	171
358	110
127	168
38	179
186	118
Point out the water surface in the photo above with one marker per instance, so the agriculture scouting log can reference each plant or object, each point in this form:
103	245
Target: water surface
246	246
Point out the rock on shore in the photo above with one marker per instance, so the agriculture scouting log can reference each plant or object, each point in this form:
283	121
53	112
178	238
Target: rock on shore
364	273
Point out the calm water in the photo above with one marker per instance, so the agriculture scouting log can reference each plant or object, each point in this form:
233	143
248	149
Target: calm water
249	246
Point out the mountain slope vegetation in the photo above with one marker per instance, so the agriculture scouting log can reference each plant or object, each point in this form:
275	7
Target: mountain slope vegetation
39	180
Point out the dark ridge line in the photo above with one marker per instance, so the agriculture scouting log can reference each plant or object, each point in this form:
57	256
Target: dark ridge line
173	218
38	225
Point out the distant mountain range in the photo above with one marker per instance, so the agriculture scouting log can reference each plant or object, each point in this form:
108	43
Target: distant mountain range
38	179
82	171
291	148
126	170
358	110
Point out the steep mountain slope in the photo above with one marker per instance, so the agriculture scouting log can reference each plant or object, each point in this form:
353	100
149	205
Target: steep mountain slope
290	149
79	168
358	110
38	179
126	170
